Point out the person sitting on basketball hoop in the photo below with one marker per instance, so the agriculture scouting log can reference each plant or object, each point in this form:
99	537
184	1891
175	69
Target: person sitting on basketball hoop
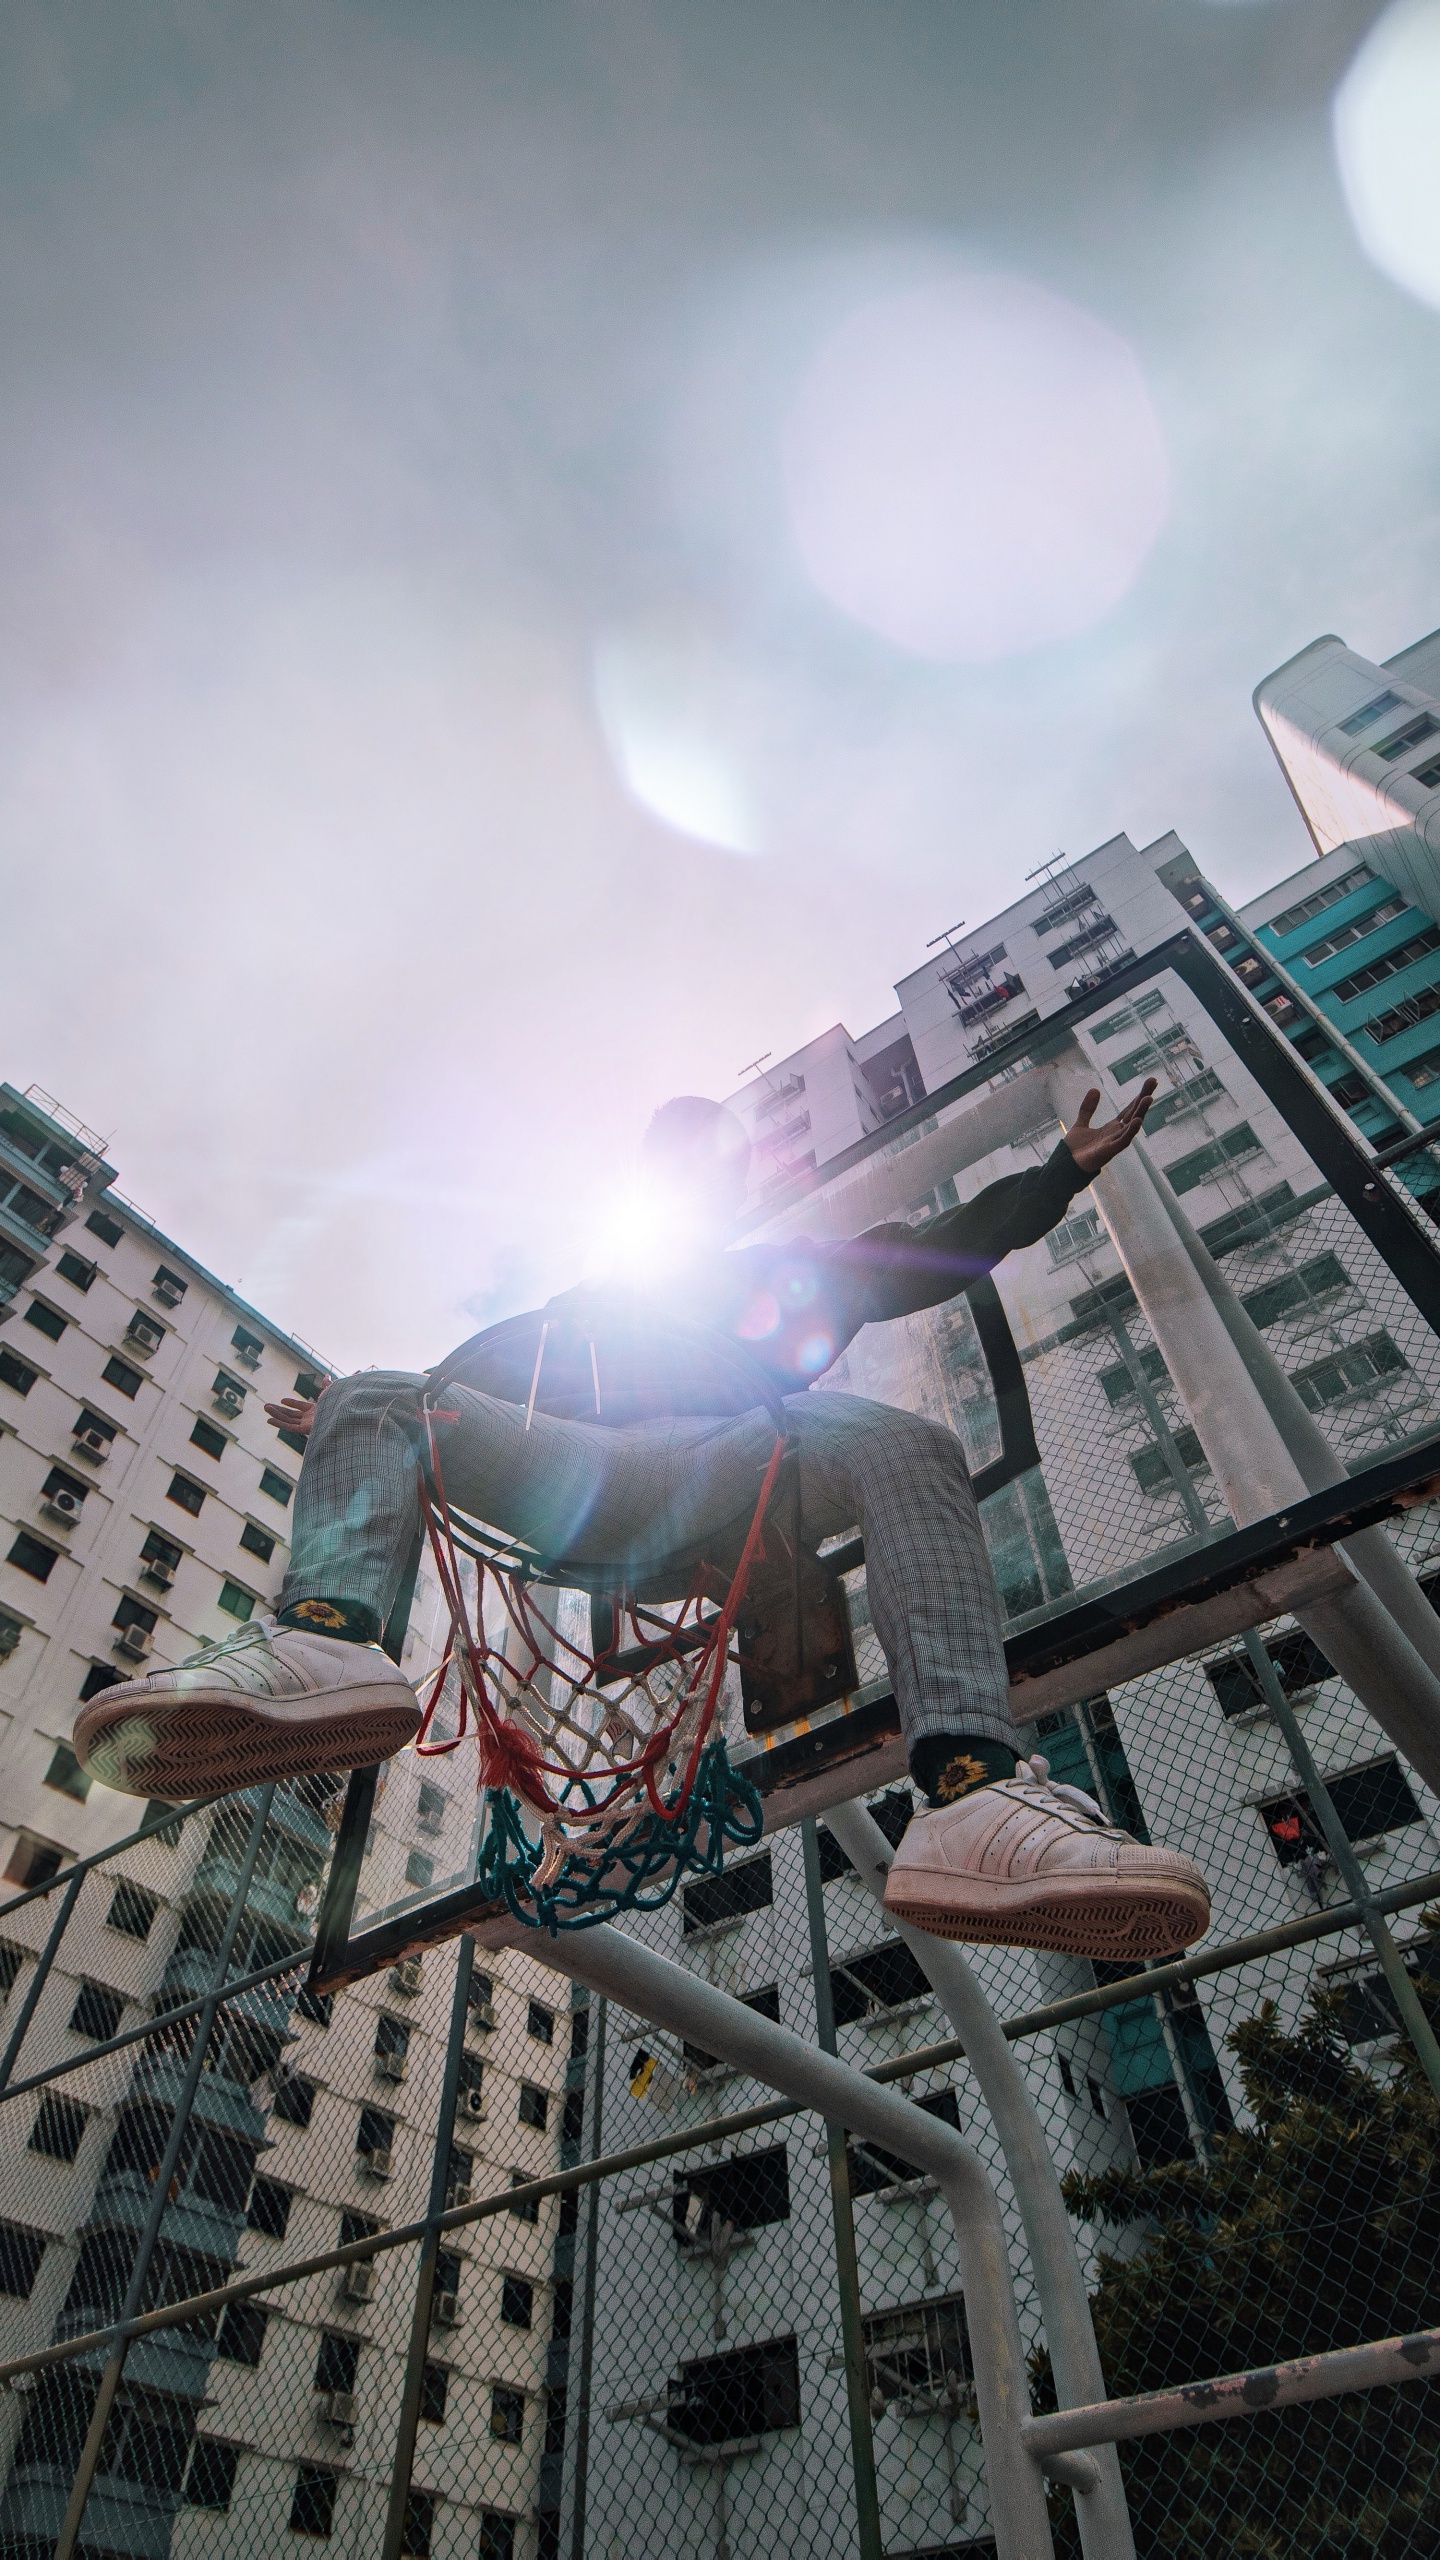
635	1423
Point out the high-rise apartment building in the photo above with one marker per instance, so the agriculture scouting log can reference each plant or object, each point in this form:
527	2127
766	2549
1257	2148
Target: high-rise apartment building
146	1505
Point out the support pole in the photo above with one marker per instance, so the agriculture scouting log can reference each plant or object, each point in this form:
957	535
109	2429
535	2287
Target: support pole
847	2266
408	2423
40	1976
587	2314
110	2379
1101	2514
653	1988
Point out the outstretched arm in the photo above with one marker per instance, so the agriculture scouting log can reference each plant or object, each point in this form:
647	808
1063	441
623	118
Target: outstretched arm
295	1413
897	1270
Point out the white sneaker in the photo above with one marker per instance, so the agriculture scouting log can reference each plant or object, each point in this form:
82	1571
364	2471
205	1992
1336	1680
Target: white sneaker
268	1702
1025	1863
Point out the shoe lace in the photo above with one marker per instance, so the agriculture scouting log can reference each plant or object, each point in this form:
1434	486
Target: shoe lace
1037	1773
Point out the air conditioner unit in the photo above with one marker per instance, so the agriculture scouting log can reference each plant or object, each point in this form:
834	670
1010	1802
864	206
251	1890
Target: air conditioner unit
358	2282
92	1444
143	1336
469	2106
406	1974
249	1359
168	1292
482	2014
229	1401
445	2311
64	1505
133	1640
376	2164
335	2408
391	2066
457	2196
159	1574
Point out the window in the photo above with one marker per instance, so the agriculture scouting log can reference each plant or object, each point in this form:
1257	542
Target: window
1203	1163
459	2176
750	2392
101	1675
335	2364
312	2509
118	1373
534	2106
11	1960
507	2414
872	2170
236	1600
434	2392
540	2023
34	1861
918	2357
1074	1235
11	1631
1355	1371
45	1319
189	1494
430	1806
1400	741
1404	1015
65	1774
866	1984
392	2036
497	2535
132	1910
747	2193
1203	1086
58	1481
317	2006
1246	1225
206	1437
295	2099
210	2480
17	1373
517	2301
109	1230
87	1421
241	2335
528	2210
1422	1071
472	2075
278	1487
375	2134
21	2251
1298	1663
1152	1468
78	1273
1117	1382
170	1285
32	1556
1318	1278
1341	936
97	2013
1067	2076
257	1542
572	2114
1368	1800
1367	712
162	1551
419	1870
418	2524
1376	971
59	2127
748	1887
249	1345
269	2208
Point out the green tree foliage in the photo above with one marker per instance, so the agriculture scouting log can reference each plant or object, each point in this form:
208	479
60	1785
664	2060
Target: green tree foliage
1316	2228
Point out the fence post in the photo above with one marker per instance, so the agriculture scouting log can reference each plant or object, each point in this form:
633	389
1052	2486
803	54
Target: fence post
1348	1867
145	2246
587	2303
847	2267
408	2424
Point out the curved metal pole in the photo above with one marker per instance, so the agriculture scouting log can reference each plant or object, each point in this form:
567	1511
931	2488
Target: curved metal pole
1102	2514
653	1988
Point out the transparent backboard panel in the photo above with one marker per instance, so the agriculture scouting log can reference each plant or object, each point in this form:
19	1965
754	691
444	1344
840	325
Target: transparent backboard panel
1340	1280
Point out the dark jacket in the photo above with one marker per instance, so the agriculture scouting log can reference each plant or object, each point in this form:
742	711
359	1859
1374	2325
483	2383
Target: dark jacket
737	1328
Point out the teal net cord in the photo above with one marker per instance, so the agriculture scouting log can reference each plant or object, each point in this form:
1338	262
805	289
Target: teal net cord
643	1869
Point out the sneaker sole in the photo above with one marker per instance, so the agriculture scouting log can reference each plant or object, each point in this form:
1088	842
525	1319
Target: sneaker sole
1132	1922
174	1748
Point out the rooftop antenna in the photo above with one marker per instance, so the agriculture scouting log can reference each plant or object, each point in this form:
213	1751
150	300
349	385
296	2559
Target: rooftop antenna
948	936
755	1062
1043	870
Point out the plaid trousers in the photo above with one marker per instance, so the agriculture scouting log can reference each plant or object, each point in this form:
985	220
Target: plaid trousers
651	1497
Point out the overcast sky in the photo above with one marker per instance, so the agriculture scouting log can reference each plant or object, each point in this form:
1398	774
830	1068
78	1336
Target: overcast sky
373	375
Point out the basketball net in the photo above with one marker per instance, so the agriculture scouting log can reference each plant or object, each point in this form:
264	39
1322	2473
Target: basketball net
612	1754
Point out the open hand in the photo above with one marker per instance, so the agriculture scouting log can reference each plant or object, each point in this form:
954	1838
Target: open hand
294	1413
1092	1147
